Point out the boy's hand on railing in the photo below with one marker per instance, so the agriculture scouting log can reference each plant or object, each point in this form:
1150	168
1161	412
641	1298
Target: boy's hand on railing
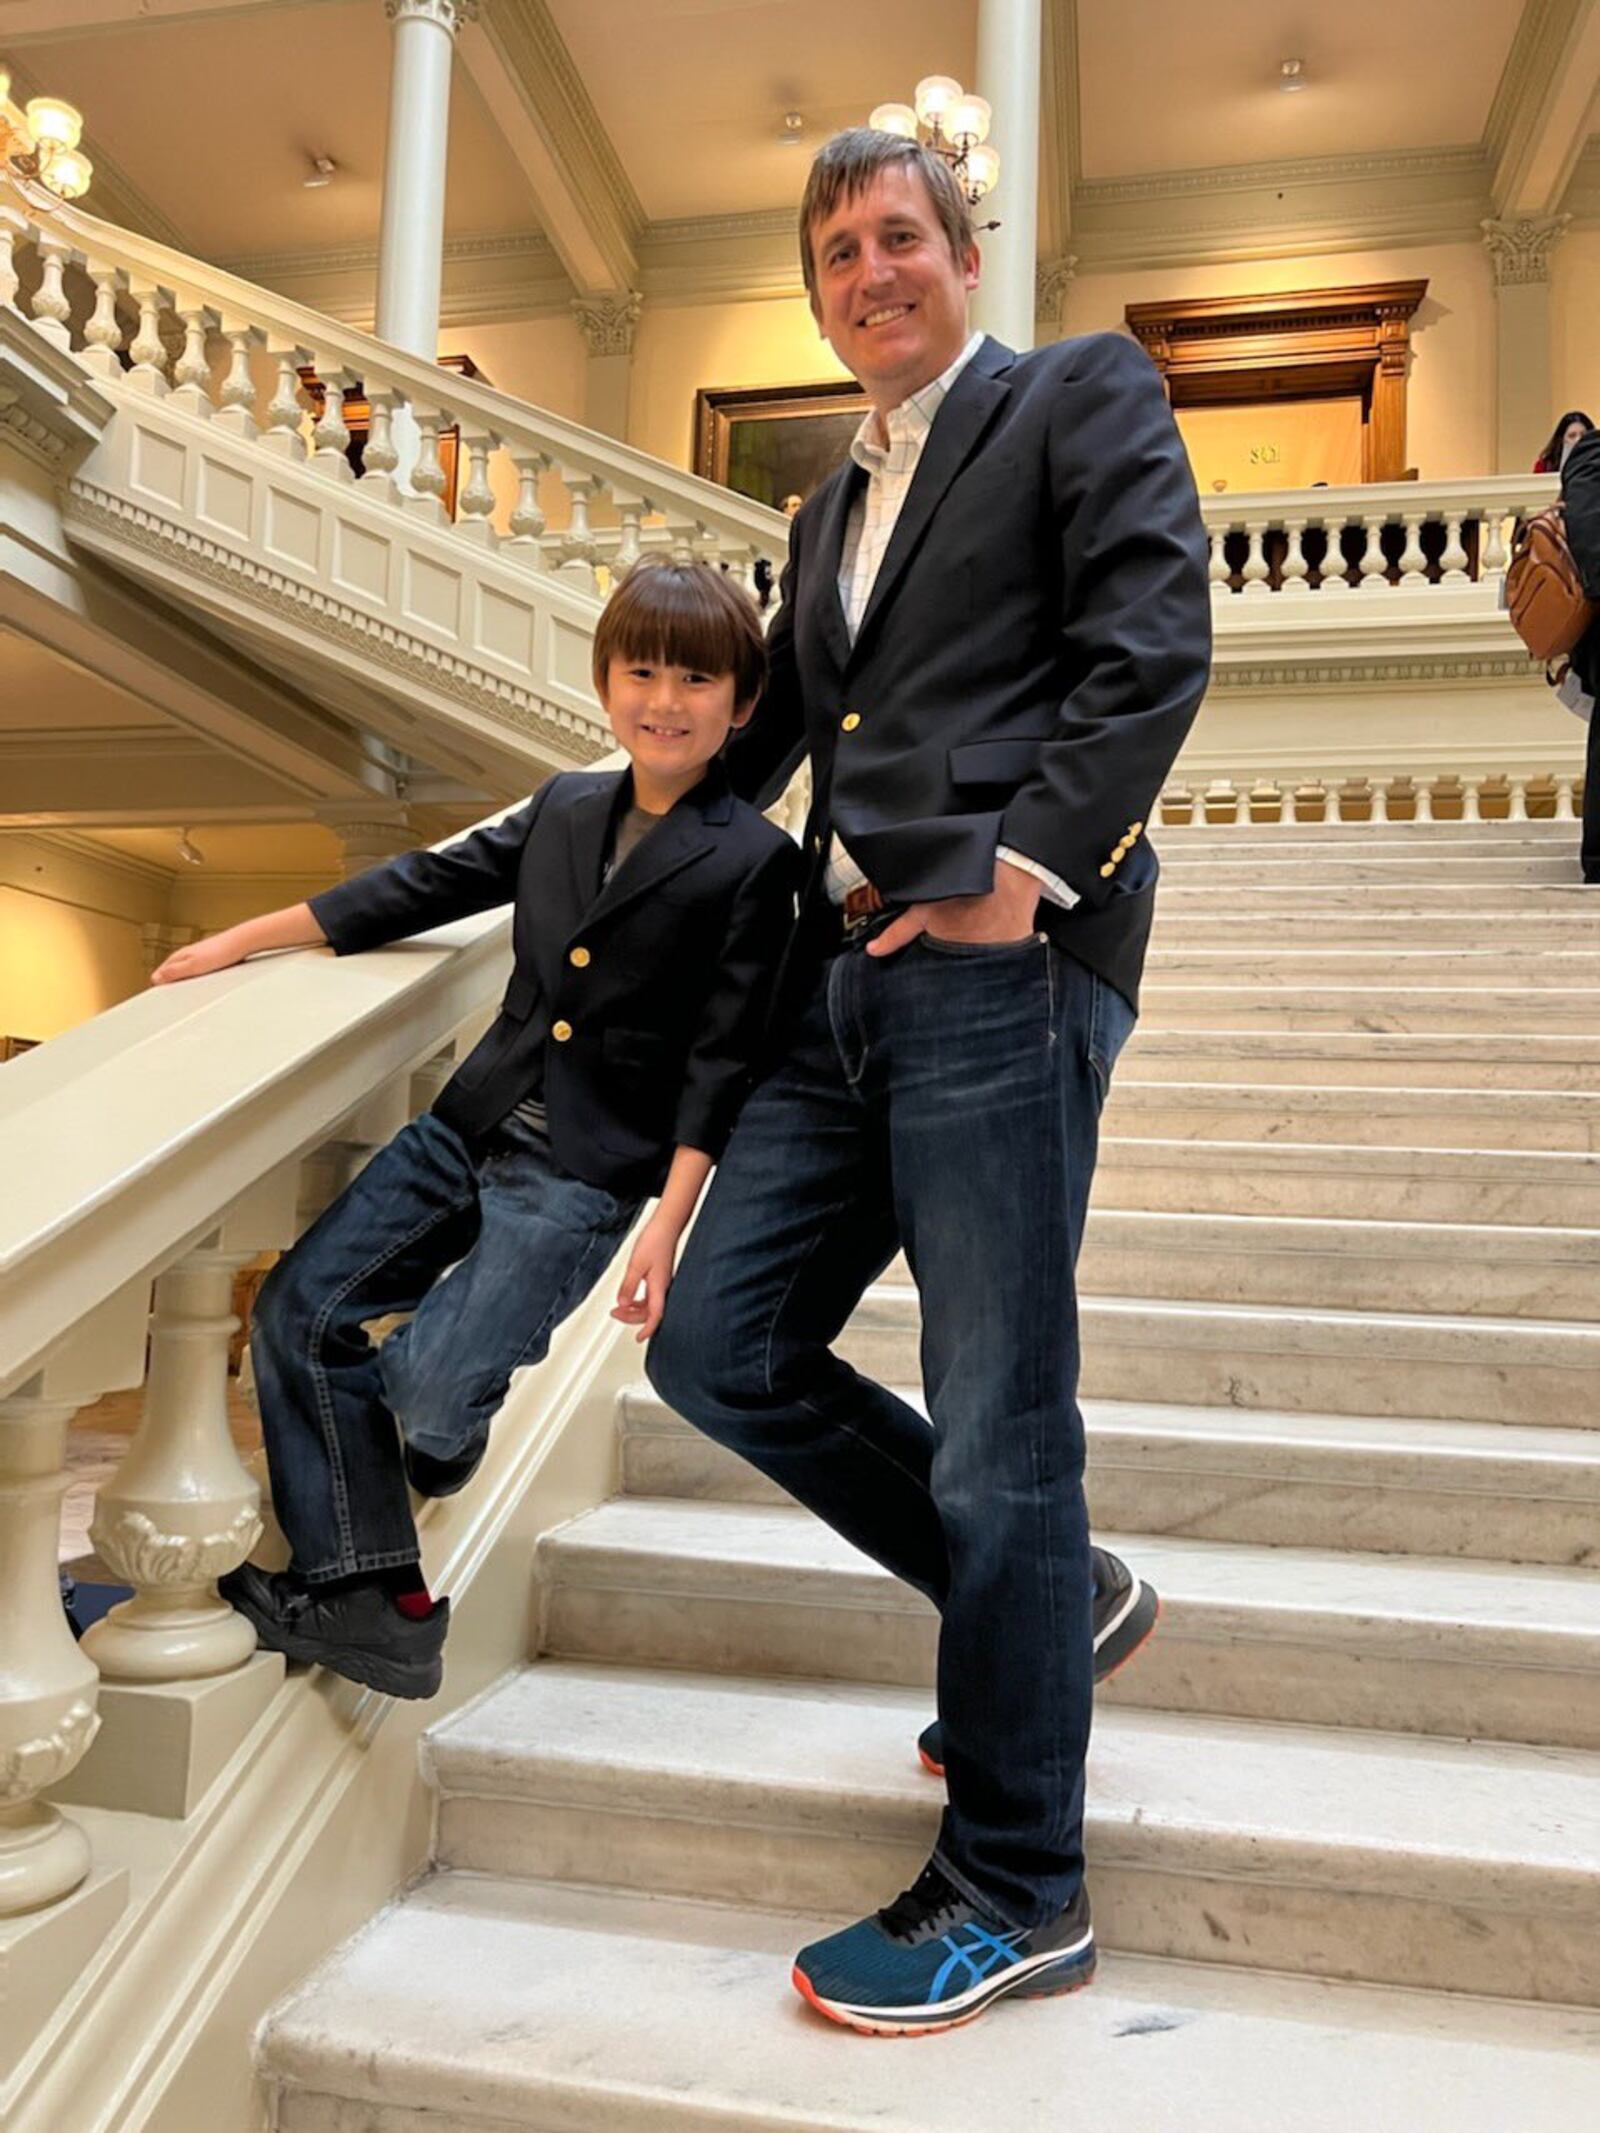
650	1265
292	927
216	952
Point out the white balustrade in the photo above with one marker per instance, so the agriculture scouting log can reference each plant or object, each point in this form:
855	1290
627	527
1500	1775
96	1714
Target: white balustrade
191	374
1378	797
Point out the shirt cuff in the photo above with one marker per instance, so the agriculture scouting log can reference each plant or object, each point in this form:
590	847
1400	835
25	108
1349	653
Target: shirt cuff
1051	885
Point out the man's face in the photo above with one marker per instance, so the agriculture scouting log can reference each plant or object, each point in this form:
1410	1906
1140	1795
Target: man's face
891	297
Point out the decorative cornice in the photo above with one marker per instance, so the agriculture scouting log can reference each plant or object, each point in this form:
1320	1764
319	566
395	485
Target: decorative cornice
1520	251
722	229
529	247
1300	170
607	323
1506	667
486	279
1536	49
318	613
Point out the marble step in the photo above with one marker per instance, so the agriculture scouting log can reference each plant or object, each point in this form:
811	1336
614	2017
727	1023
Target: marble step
1351	1117
1474	1369
1460	1268
1462	1059
1479	1490
1278	1847
1524	1187
1428	891
1424	965
478	2004
1503	1010
1488	872
1414	1644
1337	926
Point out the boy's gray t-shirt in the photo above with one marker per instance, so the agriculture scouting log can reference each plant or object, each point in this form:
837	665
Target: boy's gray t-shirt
632	830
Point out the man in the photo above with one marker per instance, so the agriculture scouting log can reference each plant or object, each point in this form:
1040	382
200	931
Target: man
994	635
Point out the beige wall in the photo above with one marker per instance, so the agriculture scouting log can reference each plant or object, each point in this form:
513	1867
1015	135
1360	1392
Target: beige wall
69	936
680	348
540	360
1450	404
1575	324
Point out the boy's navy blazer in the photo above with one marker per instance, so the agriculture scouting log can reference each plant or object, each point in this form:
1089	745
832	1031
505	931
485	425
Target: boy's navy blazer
660	980
1034	650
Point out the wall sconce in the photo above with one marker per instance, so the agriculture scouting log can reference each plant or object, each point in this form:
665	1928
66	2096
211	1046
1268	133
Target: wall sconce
945	119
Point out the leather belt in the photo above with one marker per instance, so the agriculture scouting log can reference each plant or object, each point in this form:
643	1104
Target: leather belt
861	903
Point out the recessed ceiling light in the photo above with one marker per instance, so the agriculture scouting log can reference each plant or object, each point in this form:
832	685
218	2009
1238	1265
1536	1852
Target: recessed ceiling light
322	173
1291	76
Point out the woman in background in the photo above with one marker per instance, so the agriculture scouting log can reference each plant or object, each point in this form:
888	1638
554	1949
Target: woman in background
1573	425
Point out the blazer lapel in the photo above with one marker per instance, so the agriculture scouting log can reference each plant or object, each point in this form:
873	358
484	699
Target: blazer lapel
847	485
676	842
589	823
971	405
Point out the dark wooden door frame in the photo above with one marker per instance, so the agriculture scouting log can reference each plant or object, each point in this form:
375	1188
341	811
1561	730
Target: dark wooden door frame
1303	344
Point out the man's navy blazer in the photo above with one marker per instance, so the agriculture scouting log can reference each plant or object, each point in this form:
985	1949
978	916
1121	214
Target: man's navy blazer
643	1001
1034	650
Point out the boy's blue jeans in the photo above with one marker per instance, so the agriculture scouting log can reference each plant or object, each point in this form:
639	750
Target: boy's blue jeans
524	1243
946	1100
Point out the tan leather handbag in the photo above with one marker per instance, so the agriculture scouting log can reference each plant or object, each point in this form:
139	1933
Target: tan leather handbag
1544	594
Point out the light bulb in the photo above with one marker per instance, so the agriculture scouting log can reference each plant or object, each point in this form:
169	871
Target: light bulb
895	118
50	120
967	121
69	173
983	170
5	83
935	93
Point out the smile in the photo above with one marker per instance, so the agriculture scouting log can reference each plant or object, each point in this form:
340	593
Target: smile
667	733
887	315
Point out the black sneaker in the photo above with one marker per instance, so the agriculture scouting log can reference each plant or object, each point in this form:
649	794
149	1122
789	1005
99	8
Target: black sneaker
442	1477
932	1960
353	1630
1126	1611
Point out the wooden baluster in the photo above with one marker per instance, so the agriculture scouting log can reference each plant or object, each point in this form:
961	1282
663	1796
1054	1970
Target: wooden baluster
1332	572
1217	568
1413	563
148	350
51	310
192	371
331	436
103	334
1372	570
1296	571
285	410
1255	572
475	503
527	516
1453	561
237	392
428	481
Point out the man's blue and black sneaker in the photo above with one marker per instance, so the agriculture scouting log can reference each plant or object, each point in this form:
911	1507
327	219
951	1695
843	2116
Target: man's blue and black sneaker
1126	1611
933	1960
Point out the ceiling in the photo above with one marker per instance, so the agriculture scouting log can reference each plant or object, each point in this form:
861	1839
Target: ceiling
690	94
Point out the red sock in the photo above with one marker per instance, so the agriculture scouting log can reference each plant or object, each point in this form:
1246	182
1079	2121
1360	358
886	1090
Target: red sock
416	1606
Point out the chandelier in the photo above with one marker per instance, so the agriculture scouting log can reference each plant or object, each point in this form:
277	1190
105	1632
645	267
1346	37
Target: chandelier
40	145
945	119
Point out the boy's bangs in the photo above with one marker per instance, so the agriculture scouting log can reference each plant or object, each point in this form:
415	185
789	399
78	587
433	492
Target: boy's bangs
680	627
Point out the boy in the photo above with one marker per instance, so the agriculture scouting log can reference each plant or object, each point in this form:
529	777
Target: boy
650	911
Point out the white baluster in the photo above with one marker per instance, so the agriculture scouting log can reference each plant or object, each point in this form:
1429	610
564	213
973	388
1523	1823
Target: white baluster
527	516
380	455
1424	811
192	371
681	544
1255	572
1471	802
631	512
331	436
237	393
181	1510
51	310
708	548
428	482
1197	807
1331	575
148	350
1286	813
285	412
578	549
103	335
1296	571
1413	563
1380	800
1372	578
8	265
1453	560
48	1687
1492	558
475	504
1217	568
1564	807
1517	809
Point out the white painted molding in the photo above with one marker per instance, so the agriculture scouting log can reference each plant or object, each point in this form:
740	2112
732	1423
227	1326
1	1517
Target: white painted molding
50	409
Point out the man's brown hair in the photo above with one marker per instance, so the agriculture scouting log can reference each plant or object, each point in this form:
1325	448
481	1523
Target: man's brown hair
851	161
683	615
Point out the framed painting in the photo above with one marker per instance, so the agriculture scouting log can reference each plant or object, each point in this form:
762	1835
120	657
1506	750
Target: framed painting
775	443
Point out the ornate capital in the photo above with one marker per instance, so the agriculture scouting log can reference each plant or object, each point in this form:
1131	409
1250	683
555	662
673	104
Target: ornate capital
607	322
1052	279
1520	251
448	14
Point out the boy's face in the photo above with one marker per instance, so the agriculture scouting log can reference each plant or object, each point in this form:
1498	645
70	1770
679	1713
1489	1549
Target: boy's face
671	720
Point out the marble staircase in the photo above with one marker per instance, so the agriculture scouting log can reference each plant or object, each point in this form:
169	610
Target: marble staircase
1342	1331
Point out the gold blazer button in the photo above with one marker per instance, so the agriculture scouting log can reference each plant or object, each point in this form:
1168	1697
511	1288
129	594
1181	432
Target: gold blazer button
561	1031
850	721
579	959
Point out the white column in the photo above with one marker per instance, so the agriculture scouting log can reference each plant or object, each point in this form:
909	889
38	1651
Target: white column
1520	253
411	237
1010	60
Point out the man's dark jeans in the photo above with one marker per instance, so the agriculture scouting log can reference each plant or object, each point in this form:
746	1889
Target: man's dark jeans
947	1100
524	1243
